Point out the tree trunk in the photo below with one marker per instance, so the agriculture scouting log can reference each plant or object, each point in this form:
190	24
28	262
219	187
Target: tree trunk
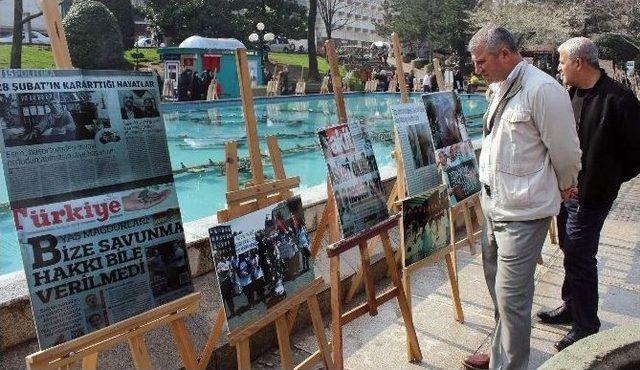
16	43
314	74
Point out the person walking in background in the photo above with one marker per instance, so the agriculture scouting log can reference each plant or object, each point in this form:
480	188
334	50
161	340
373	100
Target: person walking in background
196	86
458	80
184	83
426	80
530	159
607	114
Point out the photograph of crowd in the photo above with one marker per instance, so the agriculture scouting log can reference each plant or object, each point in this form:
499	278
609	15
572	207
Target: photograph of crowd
168	267
458	162
446	119
421	147
354	175
261	259
138	104
463	179
425	224
38	118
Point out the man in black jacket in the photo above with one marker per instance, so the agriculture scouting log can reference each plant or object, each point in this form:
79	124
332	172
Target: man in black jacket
607	116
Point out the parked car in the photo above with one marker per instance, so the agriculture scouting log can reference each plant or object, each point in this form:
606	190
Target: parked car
36	38
145	42
281	44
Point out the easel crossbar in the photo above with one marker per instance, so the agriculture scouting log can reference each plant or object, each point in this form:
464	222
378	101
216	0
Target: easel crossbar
275	312
97	341
263	190
360	310
348	243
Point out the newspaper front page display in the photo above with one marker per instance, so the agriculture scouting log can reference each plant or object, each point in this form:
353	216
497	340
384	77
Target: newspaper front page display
454	150
416	146
425	224
92	195
261	259
354	175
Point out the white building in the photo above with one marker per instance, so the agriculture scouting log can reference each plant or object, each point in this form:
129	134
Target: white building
359	18
28	6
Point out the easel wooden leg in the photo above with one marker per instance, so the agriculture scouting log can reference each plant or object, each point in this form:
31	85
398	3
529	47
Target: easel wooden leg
552	231
455	291
243	354
318	329
214	337
469	227
406	283
356	280
282	329
368	279
336	312
414	346
90	362
183	344
452	236
139	352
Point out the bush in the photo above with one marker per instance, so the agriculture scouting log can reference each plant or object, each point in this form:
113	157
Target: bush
123	11
93	36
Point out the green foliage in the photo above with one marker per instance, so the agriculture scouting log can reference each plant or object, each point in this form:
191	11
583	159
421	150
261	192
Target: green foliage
149	55
179	19
33	56
618	47
93	36
302	60
123	11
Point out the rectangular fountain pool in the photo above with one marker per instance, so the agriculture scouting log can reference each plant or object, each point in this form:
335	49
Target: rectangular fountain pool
196	133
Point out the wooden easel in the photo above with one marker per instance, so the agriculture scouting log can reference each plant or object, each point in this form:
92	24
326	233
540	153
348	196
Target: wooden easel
212	90
258	194
301	86
133	329
339	319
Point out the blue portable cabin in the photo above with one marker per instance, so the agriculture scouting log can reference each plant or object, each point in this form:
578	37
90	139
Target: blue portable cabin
201	53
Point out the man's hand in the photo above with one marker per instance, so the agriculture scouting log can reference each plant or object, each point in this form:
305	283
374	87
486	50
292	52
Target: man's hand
144	199
569	193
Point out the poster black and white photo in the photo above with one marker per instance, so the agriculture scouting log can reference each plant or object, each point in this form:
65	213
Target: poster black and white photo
261	259
354	176
459	164
92	198
444	112
63	132
416	146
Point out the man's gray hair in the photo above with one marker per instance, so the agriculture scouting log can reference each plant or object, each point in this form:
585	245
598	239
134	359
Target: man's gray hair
493	38
581	47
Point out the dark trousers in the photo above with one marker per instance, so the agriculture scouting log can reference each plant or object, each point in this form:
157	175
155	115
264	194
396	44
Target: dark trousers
579	229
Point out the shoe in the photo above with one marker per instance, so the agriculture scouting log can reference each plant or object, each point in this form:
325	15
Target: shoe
571	337
560	315
478	361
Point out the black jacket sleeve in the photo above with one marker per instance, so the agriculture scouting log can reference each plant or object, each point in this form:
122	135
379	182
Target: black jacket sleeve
629	135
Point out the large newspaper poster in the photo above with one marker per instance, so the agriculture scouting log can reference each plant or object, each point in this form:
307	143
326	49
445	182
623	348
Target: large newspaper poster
354	175
416	147
261	259
92	195
453	148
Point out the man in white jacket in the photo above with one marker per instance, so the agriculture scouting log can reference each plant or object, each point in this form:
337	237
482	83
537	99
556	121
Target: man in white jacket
530	159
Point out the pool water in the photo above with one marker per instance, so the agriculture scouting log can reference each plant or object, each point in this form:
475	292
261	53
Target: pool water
196	134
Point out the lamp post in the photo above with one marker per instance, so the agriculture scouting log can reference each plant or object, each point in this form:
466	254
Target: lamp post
261	37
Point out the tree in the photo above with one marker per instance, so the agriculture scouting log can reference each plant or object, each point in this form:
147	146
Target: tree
179	19
123	11
314	74
93	36
334	14
442	24
16	42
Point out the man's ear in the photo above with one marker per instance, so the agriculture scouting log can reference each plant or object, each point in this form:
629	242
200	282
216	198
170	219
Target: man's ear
579	63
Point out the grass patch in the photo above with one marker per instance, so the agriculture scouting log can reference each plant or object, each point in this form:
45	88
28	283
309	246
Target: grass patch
33	56
149	55
302	60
